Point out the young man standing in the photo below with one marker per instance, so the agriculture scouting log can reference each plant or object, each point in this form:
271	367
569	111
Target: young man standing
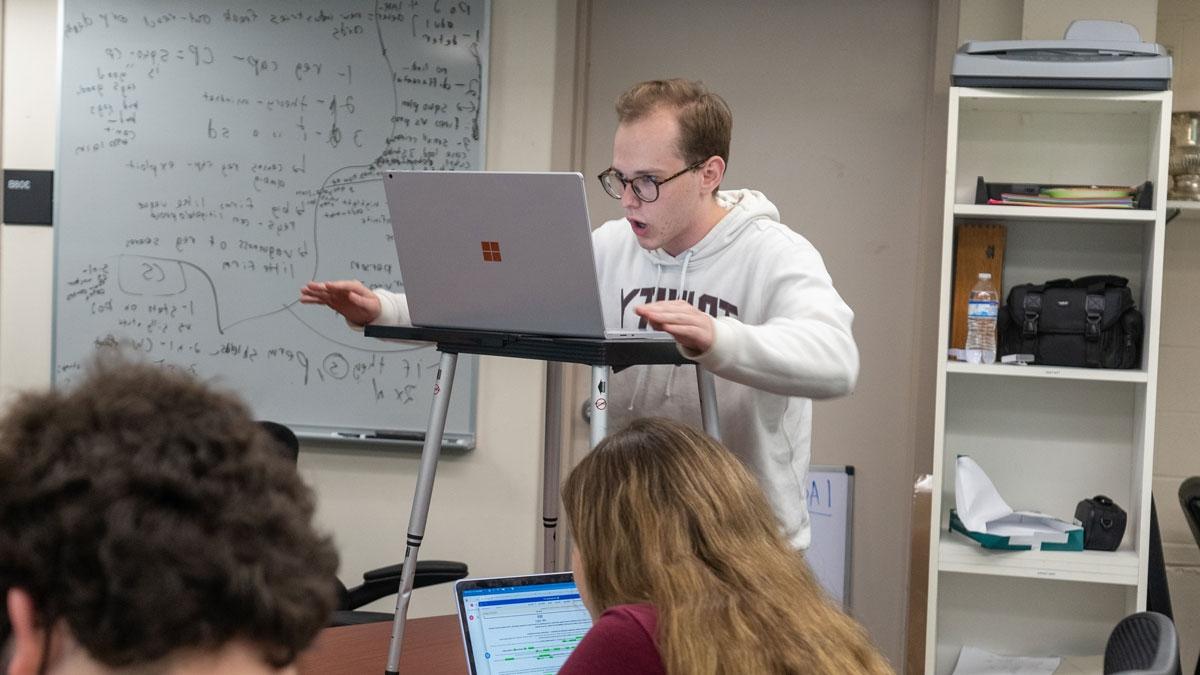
744	296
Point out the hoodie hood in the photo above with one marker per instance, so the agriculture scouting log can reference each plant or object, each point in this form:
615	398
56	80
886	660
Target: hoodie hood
745	206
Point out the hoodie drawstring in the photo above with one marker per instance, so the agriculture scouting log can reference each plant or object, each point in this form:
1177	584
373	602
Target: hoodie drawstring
642	370
687	258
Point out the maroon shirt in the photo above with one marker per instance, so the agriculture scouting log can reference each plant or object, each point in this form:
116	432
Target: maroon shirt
621	642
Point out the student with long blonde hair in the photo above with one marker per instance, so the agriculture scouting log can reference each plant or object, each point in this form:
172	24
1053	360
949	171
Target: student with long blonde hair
684	568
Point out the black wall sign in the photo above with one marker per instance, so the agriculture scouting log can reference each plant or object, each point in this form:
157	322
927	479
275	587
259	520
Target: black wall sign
28	197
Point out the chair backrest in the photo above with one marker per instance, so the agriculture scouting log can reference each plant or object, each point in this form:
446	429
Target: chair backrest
1189	499
289	447
1145	643
289	444
377	583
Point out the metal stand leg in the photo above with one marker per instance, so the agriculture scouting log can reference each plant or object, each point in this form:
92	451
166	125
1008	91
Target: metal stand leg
552	446
599	427
708	402
421	497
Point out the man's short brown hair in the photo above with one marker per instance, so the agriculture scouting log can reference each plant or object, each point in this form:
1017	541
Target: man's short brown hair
150	513
705	122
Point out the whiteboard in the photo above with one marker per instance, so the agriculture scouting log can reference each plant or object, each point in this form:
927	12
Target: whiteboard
830	497
214	156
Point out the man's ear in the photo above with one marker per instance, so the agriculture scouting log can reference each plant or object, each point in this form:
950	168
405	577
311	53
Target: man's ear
28	638
711	174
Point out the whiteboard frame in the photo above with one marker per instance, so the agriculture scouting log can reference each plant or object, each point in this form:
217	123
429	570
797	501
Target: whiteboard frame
411	440
847	469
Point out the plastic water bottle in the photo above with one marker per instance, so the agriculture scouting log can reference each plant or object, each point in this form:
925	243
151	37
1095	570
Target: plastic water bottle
983	308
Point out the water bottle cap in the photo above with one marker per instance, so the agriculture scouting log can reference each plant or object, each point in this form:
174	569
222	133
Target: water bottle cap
985	275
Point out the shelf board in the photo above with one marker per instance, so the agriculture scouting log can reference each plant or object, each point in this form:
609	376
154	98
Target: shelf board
1050	372
1190	209
1054	213
1060	101
958	554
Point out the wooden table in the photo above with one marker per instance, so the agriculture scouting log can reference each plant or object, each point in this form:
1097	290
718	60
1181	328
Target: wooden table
432	646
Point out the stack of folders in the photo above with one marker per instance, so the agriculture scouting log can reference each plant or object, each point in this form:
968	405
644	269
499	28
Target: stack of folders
1087	197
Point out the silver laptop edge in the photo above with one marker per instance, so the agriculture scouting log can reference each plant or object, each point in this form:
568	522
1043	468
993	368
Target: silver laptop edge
503	251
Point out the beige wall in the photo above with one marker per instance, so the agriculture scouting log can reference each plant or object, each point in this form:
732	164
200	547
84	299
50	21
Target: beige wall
1179	32
835	135
30	113
1177	445
1048	19
990	20
1177	450
486	504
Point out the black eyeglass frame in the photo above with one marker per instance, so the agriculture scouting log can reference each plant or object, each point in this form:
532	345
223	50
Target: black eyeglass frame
656	182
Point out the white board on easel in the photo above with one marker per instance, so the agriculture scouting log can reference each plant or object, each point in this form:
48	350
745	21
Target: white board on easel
830	497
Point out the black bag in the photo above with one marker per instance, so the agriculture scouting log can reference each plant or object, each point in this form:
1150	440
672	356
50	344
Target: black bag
1103	523
1089	322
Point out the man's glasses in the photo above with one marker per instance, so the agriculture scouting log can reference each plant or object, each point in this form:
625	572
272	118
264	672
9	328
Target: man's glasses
644	187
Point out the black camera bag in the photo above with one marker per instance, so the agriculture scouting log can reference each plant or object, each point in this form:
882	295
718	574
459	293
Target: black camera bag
1103	523
1088	322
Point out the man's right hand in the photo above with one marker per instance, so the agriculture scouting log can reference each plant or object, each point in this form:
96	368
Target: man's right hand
351	299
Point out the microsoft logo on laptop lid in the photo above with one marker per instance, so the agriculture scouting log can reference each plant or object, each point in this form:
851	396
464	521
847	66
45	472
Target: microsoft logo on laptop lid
491	251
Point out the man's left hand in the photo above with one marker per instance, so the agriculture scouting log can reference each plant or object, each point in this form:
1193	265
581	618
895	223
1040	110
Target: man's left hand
689	326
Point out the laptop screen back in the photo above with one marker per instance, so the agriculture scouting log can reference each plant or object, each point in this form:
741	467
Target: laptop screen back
524	624
500	251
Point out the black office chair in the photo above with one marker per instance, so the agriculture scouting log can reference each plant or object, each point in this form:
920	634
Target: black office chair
1142	644
377	583
1158	591
1189	499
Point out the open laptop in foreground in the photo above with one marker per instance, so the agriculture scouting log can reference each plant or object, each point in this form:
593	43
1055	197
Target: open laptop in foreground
521	624
500	251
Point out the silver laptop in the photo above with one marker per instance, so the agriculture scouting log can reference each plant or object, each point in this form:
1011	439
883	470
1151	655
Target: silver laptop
522	624
502	251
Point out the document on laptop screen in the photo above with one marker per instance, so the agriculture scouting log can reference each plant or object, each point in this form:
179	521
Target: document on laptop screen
523	629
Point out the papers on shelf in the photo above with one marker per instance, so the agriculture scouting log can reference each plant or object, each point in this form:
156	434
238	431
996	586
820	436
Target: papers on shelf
1088	192
983	515
1026	200
977	499
975	661
1093	197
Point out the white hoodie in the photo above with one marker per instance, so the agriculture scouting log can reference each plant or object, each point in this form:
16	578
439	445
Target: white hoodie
782	337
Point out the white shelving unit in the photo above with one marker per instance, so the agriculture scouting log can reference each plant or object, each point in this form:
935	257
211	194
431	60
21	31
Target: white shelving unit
1048	436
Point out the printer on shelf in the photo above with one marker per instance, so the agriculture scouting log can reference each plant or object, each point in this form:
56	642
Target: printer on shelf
1093	54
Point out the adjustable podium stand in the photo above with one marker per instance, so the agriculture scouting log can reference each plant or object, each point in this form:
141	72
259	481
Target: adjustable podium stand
601	355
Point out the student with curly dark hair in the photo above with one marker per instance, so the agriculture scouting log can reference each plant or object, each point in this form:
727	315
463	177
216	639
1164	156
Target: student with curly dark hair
148	525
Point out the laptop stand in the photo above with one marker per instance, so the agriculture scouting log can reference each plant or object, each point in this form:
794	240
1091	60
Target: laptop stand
602	355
